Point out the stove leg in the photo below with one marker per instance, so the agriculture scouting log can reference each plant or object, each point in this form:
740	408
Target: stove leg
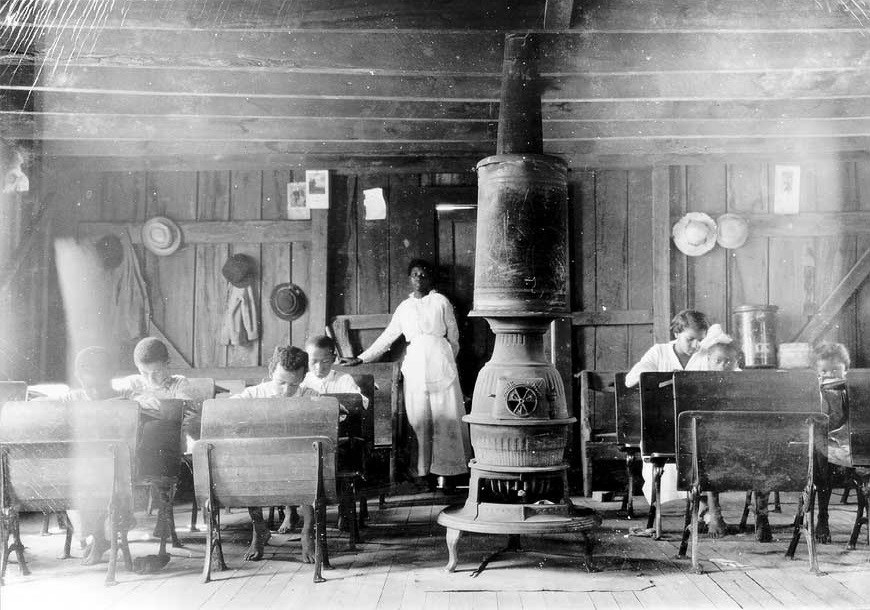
452	546
588	545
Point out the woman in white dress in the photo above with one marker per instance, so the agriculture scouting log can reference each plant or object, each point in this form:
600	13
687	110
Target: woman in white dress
433	400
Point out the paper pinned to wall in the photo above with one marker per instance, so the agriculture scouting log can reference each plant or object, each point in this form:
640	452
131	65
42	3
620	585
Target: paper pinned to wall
787	189
297	205
376	205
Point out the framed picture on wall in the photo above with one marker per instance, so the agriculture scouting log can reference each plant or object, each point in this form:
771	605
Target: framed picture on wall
317	188
297	204
786	189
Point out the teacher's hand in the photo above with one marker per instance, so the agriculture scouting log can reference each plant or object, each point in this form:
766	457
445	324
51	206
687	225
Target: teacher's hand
350	361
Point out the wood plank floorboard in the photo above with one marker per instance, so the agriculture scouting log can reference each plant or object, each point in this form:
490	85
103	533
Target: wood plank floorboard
398	564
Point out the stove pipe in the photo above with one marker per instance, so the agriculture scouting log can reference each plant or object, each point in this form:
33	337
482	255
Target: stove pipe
520	417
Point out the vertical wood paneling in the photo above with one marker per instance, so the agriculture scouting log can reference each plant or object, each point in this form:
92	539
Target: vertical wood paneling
583	285
706	192
373	265
213	203
275	265
679	268
172	278
748	265
343	255
861	349
640	268
611	270
834	191
246	193
789	262
412	232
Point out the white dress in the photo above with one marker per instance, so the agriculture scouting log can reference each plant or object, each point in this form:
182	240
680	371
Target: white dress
433	400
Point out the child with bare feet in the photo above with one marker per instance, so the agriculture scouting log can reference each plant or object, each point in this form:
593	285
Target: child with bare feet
287	369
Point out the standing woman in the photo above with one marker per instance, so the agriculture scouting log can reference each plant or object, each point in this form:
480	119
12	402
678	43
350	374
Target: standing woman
433	400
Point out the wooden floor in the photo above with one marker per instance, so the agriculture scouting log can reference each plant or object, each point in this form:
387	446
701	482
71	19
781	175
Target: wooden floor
399	565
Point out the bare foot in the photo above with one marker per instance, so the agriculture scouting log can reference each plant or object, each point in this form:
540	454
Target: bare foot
94	552
823	532
762	529
288	525
716	527
308	549
260	537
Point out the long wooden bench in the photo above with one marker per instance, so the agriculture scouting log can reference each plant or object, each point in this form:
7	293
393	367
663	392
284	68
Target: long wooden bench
56	456
665	395
763	450
265	452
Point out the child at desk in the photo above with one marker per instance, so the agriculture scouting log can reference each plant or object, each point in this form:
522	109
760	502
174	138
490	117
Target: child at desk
94	368
832	361
287	368
320	377
689	328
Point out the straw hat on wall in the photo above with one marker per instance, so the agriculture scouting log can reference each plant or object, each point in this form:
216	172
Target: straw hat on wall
695	234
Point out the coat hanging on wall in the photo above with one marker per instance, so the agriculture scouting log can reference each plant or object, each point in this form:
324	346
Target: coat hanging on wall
240	325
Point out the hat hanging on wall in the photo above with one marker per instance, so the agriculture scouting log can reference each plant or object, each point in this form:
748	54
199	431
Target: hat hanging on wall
240	270
161	235
288	301
695	234
732	230
110	251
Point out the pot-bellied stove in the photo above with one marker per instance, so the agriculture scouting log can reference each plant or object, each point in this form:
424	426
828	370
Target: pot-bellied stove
520	418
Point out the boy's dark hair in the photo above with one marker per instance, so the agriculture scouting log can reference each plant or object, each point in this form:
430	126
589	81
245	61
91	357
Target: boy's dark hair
689	318
150	350
422	264
832	351
320	342
289	357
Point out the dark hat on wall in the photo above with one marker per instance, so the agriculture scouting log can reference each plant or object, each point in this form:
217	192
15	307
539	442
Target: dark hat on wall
240	270
161	235
110	250
288	301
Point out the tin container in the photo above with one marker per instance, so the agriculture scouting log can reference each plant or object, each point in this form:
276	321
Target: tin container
755	331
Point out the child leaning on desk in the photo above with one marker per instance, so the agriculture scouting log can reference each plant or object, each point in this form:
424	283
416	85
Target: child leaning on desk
287	369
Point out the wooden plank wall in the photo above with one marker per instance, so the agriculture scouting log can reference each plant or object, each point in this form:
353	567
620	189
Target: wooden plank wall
611	263
366	264
795	273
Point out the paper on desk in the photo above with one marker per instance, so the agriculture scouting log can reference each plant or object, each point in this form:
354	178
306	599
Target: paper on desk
376	205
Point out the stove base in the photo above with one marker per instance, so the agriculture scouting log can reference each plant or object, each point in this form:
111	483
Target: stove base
458	519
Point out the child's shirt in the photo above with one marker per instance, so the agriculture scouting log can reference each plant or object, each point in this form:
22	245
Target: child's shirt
660	358
267	390
333	383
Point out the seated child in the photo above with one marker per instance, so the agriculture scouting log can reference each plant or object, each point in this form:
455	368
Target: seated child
689	329
320	377
287	369
717	352
832	361
94	368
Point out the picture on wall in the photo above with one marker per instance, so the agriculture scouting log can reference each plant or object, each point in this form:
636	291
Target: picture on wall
297	204
317	189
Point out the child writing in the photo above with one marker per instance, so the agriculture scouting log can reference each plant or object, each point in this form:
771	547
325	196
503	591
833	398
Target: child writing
321	378
287	368
689	328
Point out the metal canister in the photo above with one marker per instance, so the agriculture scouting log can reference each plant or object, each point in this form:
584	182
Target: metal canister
755	331
522	235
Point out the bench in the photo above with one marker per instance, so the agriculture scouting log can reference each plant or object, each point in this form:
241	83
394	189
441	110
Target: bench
665	395
763	450
56	456
602	457
266	452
